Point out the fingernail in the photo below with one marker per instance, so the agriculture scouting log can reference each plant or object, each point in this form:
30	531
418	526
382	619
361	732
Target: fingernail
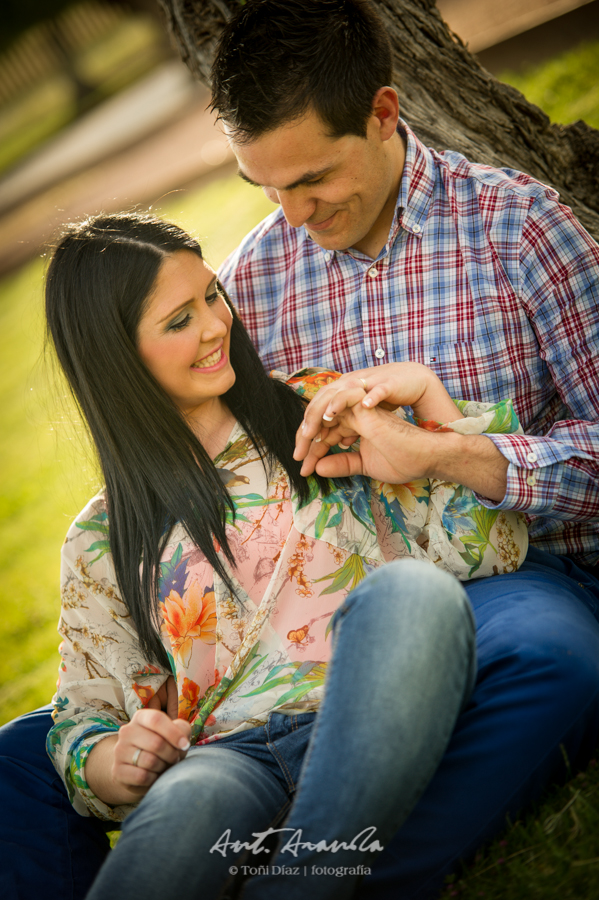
317	439
184	744
328	418
367	402
304	426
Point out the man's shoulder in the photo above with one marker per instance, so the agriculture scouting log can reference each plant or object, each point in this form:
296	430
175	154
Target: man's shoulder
454	168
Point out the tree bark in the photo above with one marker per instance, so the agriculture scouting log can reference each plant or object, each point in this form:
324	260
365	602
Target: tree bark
446	96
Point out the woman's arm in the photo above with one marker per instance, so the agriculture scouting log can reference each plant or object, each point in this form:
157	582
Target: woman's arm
104	677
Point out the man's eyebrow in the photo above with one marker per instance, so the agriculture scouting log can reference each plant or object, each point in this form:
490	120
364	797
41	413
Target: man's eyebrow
307	176
185	303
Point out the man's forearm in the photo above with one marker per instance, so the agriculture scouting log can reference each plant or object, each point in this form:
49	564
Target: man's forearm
471	460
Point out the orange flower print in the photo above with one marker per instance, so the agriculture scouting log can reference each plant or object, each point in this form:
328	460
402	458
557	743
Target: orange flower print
295	567
188	698
144	692
189	618
408	494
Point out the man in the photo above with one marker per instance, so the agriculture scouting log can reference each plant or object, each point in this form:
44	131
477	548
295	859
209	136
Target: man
384	251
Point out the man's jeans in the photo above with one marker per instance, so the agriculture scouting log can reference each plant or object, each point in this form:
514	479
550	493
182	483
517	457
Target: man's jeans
537	694
402	668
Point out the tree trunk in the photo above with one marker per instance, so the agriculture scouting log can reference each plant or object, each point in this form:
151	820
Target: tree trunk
446	96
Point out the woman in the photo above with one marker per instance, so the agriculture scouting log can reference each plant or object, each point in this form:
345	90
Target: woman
209	557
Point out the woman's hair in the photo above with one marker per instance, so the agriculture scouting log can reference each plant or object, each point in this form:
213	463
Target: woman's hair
156	471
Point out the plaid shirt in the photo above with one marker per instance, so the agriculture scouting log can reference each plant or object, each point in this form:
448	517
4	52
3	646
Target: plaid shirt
485	278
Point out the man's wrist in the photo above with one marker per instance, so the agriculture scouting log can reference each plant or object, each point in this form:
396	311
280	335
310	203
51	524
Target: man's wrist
471	460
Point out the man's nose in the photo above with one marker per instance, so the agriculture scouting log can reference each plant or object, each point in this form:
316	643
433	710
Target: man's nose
297	207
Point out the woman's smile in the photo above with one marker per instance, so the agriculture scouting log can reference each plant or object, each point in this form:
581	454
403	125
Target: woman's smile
214	361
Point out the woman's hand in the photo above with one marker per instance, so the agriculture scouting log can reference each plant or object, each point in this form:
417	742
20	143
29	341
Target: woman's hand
388	386
123	767
166	698
390	449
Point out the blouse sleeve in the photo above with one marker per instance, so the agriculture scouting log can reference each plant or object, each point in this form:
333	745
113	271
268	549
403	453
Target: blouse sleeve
103	676
462	535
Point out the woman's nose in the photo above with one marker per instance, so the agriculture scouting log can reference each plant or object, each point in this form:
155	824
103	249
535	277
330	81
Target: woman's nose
213	326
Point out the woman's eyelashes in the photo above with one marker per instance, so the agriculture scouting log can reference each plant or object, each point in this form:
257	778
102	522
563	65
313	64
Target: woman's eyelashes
216	292
180	323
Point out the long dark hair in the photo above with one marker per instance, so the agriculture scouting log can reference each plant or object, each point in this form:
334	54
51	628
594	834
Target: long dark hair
156	471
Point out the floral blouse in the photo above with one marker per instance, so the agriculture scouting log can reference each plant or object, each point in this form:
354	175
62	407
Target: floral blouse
238	658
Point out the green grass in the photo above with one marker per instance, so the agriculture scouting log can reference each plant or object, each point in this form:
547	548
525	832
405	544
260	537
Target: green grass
566	87
550	854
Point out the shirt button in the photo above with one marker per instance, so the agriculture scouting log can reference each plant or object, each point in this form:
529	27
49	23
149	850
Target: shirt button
416	229
379	352
532	456
531	480
373	272
327	256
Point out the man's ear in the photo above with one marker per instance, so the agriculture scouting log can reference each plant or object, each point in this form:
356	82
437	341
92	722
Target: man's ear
385	109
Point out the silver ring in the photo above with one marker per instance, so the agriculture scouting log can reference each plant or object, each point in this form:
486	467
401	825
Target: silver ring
135	760
364	385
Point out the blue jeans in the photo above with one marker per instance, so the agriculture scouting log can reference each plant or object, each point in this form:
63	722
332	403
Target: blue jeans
351	774
537	690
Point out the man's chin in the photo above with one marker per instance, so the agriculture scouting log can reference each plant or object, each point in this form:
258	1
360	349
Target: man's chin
328	241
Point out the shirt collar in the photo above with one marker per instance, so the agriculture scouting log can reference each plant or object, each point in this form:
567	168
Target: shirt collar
416	187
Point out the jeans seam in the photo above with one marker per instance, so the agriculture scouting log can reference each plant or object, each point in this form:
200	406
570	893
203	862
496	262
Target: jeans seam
282	765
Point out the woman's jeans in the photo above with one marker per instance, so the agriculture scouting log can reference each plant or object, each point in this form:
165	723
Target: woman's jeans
338	784
536	701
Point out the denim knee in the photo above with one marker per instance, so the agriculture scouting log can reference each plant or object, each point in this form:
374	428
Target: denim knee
434	593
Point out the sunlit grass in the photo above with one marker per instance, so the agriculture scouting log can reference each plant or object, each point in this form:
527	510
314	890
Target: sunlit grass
566	88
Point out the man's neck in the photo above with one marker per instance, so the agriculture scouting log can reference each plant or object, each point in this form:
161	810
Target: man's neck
372	244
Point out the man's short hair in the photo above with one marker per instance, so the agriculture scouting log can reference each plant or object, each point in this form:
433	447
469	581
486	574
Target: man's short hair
278	59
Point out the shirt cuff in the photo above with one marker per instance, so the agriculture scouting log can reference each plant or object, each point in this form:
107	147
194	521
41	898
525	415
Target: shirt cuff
534	475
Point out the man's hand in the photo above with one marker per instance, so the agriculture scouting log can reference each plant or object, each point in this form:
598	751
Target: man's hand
387	386
390	449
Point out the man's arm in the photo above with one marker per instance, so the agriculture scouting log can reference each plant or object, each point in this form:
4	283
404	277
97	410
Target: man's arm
557	474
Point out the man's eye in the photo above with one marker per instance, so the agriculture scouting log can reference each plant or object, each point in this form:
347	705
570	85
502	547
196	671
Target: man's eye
177	326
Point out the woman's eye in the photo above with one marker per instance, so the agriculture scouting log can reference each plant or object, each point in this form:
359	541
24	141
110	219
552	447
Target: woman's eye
216	294
177	326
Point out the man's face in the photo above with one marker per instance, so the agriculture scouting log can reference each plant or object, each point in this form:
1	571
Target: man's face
343	191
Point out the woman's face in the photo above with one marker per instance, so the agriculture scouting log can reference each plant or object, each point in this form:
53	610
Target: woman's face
184	333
